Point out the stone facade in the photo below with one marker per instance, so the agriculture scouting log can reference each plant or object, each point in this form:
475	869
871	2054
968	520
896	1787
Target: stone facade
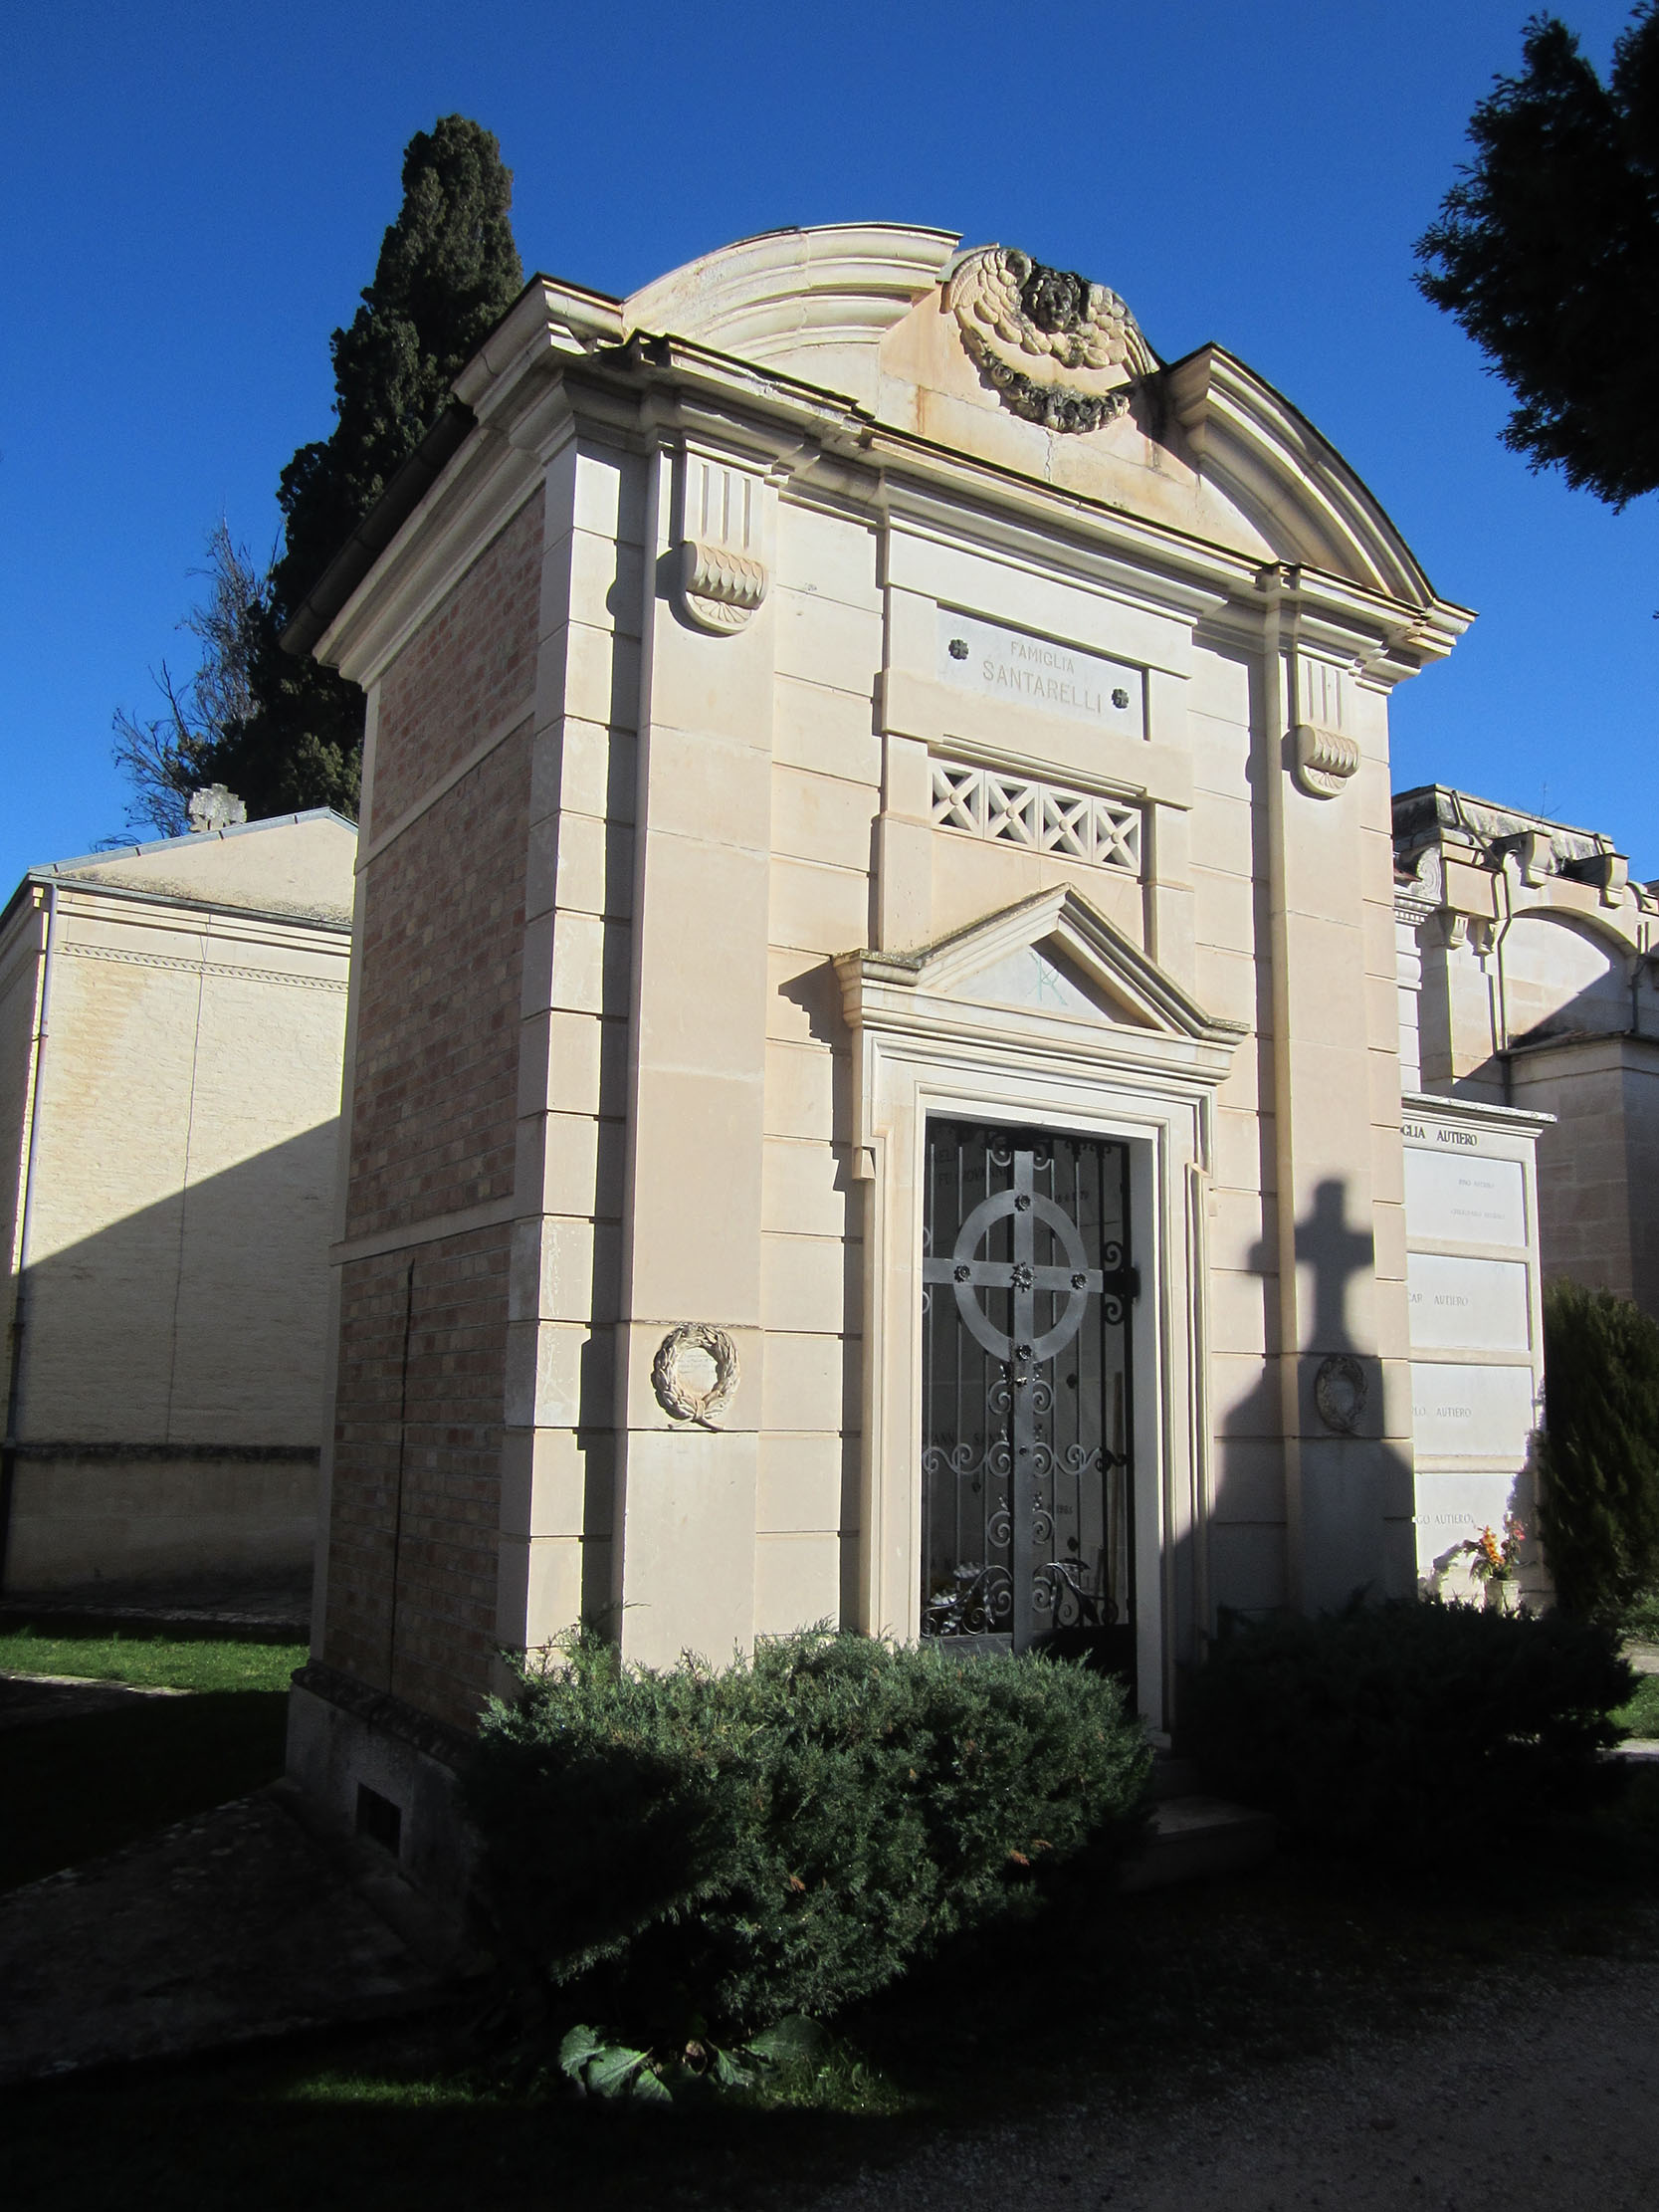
1475	1288
850	687
171	1029
1528	980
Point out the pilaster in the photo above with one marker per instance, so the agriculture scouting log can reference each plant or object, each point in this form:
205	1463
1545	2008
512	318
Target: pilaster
1344	1403
682	1575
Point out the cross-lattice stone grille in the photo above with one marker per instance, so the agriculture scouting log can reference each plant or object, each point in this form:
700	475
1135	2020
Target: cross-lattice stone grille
1046	817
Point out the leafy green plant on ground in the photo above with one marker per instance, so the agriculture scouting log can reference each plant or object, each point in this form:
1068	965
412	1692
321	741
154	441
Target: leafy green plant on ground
1598	1455
707	1851
1409	1726
618	2072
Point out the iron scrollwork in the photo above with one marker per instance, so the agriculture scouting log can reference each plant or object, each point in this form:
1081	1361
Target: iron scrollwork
1027	1490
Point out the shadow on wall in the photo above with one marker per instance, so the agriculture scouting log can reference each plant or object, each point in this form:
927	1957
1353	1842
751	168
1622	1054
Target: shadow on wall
1549	977
169	1405
1560	979
1311	1528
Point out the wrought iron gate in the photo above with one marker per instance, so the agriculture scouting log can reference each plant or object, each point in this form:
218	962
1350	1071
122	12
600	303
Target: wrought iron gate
1027	1416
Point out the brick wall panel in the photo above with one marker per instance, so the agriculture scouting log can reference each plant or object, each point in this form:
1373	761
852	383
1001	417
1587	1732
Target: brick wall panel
460	677
437	1358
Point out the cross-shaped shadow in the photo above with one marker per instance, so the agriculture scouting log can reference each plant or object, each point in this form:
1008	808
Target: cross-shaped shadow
1325	1243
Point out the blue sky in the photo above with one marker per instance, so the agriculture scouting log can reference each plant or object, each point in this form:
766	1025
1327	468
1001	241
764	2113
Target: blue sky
194	195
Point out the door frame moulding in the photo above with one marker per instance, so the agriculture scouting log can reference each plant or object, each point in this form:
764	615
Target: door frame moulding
1145	1073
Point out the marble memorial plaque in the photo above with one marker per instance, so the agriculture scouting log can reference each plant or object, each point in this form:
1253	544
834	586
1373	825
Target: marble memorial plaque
1459	1198
1029	671
1472	1413
1452	1509
1467	1305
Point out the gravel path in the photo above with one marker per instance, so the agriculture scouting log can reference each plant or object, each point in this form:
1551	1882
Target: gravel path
1541	2094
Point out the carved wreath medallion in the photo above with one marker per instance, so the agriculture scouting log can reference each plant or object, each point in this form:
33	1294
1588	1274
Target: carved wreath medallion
675	1394
1060	350
1340	1391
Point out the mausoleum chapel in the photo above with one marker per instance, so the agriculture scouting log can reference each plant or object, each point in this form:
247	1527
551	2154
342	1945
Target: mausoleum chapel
873	1080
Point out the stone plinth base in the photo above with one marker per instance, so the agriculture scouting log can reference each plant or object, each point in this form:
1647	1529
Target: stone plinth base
377	1767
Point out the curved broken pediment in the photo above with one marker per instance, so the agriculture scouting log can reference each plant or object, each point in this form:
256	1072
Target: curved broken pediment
1261	453
814	301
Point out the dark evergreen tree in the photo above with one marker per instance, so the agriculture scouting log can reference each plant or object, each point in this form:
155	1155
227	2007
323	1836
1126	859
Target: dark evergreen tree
448	271
1546	252
1599	1504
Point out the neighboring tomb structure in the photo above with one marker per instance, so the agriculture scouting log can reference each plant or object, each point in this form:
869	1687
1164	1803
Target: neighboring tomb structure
1475	1291
171	1026
1528	980
874	1088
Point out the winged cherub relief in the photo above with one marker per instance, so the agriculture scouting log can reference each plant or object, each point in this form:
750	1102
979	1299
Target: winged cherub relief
1058	349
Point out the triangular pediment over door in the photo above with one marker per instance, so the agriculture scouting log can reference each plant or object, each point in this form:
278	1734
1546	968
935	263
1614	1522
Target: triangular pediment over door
1052	969
1043	1015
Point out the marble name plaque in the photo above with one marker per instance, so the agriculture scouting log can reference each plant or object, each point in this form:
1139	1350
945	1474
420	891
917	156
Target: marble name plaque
1472	1413
1463	1199
1021	669
1467	1305
1452	1509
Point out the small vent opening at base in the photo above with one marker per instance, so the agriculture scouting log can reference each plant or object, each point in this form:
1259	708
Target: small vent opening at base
379	1819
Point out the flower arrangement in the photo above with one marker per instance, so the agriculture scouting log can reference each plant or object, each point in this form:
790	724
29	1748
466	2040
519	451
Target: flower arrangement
1491	1556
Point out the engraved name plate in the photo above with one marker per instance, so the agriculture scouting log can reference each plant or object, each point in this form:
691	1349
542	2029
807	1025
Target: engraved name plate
1452	1509
1467	1305
1472	1413
1462	1199
1022	669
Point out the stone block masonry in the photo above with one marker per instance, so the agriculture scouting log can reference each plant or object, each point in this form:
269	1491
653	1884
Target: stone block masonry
171	1027
675	972
417	1470
415	1482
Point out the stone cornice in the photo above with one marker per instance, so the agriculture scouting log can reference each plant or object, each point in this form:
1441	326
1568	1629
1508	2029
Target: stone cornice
549	366
1477	1112
1269	457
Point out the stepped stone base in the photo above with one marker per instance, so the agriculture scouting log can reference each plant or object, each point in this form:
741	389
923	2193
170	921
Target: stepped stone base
1193	1835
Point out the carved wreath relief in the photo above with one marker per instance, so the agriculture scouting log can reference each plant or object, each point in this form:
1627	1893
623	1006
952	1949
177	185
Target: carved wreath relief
677	1394
1060	350
1340	1392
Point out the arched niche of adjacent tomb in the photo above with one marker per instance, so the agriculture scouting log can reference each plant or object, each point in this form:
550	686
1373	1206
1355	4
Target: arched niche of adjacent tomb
1560	979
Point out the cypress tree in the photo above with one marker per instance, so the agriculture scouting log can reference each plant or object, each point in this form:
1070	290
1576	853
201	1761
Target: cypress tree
448	271
1546	252
1599	1504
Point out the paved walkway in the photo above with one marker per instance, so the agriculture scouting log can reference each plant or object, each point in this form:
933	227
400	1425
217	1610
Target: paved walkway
26	1700
277	1608
1538	2095
246	1922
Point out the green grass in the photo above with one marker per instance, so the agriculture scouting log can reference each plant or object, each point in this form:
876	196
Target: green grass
74	1788
1640	1618
151	1661
1641	1717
